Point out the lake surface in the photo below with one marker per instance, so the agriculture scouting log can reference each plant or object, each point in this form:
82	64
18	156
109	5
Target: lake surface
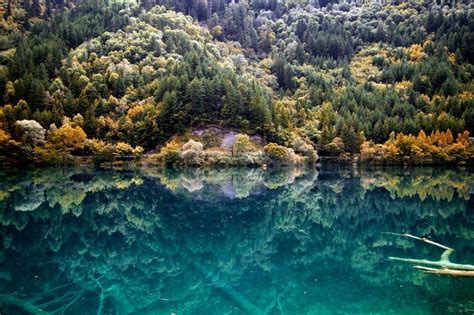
239	241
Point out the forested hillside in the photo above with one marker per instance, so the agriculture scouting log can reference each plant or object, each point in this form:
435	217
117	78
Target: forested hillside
390	82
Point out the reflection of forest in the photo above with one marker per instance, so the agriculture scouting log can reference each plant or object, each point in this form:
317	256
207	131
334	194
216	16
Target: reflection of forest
242	240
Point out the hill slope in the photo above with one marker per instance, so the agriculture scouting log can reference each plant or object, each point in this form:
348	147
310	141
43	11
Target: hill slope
332	76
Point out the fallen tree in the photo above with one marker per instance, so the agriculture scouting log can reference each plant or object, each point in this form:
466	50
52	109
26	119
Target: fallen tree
442	267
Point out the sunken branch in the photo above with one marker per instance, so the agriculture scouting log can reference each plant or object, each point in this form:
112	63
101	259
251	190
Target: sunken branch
442	267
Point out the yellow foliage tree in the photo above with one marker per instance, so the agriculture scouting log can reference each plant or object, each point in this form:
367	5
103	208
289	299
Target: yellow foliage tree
170	154
242	144
437	148
61	144
67	138
4	136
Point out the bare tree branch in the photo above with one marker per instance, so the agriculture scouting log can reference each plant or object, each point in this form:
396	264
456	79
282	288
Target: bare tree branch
445	266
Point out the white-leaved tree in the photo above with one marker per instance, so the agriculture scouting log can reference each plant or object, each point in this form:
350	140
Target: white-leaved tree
32	133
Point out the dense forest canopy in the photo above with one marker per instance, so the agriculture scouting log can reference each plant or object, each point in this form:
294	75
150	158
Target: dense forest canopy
126	76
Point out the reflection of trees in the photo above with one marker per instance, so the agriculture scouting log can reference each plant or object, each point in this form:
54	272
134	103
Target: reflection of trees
422	182
162	240
227	182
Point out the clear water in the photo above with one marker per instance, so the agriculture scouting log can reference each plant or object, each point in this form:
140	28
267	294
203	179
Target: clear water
247	241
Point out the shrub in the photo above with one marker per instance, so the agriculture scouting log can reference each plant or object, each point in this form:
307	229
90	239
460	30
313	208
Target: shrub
219	157
252	158
123	150
192	153
137	152
307	150
242	144
335	147
170	154
102	152
211	138
277	154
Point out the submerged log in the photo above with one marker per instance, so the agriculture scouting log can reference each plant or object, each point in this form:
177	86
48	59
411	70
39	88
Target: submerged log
440	263
447	271
244	303
24	306
445	266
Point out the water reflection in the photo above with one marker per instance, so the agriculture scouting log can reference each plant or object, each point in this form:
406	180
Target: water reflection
235	241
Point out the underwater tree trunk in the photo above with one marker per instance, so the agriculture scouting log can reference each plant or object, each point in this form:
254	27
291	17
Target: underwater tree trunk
445	266
238	298
447	272
21	304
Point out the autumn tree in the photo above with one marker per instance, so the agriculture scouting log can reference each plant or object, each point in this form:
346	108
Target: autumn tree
62	143
242	144
31	132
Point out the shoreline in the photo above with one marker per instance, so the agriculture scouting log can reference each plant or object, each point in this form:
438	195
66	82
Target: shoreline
354	162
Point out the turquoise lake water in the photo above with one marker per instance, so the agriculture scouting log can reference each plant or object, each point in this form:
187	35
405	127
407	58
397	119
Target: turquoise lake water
238	241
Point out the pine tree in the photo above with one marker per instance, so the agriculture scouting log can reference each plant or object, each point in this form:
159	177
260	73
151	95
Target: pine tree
350	139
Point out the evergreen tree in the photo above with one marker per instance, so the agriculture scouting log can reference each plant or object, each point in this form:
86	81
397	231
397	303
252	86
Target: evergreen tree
350	139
